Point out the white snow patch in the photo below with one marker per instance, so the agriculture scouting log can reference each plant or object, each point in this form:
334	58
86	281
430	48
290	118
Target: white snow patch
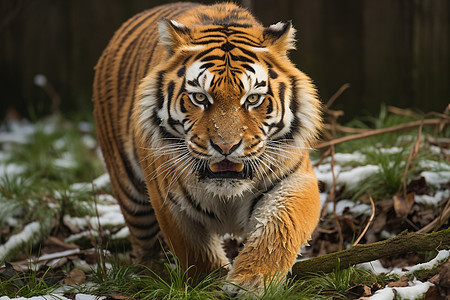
11	169
29	233
354	176
67	161
434	165
109	215
16	132
75	237
351	177
393	150
88	141
88	297
387	235
383	294
59	254
84	126
60	143
436	178
100	182
432	200
415	290
375	266
439	150
46	297
323	198
107	198
352	206
342	158
121	234
441	256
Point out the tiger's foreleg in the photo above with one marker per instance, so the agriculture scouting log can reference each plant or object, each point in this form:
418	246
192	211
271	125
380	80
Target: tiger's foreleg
197	249
195	246
282	224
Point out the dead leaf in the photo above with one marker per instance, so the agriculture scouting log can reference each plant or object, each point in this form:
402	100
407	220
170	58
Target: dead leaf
76	276
433	294
367	290
402	282
380	222
402	206
435	279
444	275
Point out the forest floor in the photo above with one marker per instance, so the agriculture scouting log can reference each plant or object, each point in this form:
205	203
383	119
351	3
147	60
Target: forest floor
62	233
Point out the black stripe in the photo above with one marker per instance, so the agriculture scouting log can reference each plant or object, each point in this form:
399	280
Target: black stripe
213	57
142	226
273	74
249	68
181	71
149	236
160	93
197	57
280	124
207	42
197	206
295	125
249	53
247	43
207	65
211	36
260	84
269	108
133	212
240	58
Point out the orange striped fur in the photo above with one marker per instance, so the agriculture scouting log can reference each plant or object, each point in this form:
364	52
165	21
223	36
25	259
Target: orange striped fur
205	126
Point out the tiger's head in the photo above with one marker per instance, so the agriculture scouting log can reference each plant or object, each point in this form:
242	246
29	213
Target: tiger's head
227	105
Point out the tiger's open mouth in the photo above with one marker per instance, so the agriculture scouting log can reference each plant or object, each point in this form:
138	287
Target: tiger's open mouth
226	169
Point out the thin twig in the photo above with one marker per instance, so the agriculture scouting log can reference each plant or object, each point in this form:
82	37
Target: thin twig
336	95
403	112
382	131
368	223
345	129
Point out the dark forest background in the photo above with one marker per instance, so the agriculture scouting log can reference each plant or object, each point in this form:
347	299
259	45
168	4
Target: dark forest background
389	51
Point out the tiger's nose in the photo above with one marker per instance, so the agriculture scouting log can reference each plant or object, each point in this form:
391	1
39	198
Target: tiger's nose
225	148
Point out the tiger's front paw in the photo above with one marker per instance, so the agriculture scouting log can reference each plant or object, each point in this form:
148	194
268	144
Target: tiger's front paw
251	286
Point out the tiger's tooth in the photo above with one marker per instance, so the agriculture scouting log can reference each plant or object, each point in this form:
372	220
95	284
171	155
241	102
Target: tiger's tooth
239	167
214	167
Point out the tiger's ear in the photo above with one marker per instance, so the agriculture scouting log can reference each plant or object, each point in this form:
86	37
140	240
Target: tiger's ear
173	34
281	36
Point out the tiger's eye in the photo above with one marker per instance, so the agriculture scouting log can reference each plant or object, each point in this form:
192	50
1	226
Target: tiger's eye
199	97
253	98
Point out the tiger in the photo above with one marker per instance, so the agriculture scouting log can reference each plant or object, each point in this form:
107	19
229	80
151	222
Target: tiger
205	127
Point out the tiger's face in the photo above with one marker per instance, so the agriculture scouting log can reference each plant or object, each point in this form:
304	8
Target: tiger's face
234	108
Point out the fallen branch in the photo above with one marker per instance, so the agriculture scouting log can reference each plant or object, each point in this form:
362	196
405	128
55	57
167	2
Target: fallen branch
382	131
401	244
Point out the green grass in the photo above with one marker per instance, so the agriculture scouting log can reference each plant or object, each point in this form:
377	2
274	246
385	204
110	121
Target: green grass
337	284
27	284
